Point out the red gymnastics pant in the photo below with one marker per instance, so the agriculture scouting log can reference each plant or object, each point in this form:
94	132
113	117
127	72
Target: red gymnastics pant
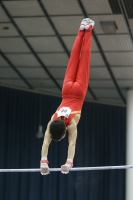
78	69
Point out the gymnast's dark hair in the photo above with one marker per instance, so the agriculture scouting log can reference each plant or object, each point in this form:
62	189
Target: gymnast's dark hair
57	129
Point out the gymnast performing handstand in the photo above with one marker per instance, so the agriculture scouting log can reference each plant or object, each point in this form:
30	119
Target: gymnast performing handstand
74	90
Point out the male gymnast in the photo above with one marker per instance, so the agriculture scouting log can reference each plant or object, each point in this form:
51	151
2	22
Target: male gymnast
74	90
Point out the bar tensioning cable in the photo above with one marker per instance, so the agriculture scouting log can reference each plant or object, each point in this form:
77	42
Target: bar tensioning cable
72	169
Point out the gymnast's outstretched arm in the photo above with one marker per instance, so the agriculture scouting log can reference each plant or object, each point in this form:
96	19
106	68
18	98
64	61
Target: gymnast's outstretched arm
44	162
72	136
46	142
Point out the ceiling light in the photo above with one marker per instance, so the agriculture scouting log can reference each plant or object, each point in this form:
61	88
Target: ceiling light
109	27
40	132
40	129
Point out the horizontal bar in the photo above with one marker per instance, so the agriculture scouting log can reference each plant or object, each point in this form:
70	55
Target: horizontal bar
72	169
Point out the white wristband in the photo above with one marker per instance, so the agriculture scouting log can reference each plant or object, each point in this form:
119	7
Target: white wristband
70	160
44	158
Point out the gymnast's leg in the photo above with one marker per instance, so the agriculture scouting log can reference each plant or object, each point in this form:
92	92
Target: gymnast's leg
83	72
73	63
